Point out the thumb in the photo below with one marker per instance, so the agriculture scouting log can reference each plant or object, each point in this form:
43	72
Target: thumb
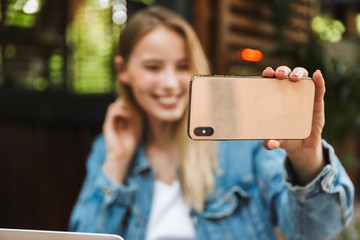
271	144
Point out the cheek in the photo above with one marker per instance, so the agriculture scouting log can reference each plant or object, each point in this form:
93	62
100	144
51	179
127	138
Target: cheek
185	81
142	82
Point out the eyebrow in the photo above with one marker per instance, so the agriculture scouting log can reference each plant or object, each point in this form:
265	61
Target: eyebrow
156	60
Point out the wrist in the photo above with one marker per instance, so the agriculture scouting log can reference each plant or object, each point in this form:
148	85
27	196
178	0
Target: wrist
115	169
307	163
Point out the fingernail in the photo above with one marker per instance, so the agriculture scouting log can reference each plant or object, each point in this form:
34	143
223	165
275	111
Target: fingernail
281	71
269	146
296	74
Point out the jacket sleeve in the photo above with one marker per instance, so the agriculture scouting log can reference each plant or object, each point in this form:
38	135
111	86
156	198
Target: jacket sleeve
102	205
319	210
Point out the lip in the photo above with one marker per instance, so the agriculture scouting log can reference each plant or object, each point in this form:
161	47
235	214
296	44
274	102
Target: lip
168	102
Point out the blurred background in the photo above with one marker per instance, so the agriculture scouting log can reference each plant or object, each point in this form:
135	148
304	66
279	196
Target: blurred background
57	78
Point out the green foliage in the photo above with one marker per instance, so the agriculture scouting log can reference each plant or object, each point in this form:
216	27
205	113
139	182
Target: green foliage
9	51
148	2
86	67
328	29
1	68
55	65
351	232
22	13
40	83
281	10
358	24
92	38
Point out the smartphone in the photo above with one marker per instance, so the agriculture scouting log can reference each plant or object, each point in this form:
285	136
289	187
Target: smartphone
249	107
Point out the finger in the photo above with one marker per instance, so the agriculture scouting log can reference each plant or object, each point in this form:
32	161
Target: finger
271	144
268	72
282	72
298	73
319	86
113	110
117	117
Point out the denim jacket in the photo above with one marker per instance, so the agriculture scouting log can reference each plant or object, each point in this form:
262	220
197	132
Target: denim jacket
254	192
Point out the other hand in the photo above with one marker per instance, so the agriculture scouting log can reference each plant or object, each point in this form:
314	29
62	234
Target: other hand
305	155
122	132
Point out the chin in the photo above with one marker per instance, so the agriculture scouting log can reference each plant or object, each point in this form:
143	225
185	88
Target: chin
171	117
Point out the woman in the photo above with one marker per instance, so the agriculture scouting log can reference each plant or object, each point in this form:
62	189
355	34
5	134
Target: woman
147	180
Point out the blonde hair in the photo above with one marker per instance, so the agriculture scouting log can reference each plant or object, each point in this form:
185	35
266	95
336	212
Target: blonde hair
196	161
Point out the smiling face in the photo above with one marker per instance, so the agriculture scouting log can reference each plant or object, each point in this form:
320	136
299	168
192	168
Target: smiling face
158	74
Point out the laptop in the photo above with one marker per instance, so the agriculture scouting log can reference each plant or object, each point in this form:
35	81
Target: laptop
22	234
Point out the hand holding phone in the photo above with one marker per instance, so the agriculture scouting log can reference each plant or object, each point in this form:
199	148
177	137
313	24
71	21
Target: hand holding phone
235	107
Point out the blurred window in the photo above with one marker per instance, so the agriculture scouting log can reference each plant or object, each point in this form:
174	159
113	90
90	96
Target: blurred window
57	45
92	38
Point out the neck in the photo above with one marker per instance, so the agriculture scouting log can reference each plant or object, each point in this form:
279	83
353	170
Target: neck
158	134
159	151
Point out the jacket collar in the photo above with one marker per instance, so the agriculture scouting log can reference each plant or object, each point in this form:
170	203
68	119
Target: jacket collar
140	162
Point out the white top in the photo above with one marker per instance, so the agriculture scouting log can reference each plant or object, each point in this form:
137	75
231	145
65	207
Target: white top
169	216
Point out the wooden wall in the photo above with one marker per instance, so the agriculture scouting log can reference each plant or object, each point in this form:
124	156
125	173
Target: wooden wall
41	170
226	26
44	143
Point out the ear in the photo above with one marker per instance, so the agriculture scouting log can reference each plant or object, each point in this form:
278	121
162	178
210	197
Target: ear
121	72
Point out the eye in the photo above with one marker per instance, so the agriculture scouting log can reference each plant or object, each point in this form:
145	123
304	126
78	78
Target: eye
152	68
183	67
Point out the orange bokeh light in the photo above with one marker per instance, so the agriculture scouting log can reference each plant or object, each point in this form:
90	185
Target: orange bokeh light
252	55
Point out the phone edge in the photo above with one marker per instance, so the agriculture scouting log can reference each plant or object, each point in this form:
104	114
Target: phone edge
193	78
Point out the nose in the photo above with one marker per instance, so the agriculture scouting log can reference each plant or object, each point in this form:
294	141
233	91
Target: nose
170	79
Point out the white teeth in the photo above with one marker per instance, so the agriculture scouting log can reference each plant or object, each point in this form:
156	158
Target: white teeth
168	100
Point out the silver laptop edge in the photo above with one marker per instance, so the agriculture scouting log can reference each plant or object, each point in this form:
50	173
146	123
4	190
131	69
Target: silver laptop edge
25	234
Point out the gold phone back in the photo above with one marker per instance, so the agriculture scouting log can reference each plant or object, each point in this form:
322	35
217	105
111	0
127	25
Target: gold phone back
250	108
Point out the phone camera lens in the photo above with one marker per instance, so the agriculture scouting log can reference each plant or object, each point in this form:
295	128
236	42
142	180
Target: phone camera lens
203	131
